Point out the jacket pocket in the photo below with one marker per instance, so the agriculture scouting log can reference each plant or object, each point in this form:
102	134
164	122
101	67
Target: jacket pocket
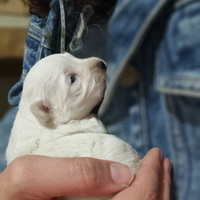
178	58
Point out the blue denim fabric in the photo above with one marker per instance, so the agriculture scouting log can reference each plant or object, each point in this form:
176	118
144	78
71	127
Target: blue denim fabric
5	128
178	81
161	39
162	109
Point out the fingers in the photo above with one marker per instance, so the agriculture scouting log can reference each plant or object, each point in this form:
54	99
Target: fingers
150	171
154	176
42	177
152	180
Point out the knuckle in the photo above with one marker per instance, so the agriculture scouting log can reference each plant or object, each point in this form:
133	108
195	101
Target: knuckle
86	173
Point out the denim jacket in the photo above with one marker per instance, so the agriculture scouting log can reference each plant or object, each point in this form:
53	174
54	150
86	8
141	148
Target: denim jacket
153	78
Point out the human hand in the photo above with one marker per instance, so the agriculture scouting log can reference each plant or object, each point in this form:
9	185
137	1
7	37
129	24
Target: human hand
40	177
152	180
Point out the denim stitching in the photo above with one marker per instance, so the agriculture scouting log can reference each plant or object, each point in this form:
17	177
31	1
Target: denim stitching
35	28
37	38
181	3
184	92
183	79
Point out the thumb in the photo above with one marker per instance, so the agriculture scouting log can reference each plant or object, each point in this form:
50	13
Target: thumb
46	177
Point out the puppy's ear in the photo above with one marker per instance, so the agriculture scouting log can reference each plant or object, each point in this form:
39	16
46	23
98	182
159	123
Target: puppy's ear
42	111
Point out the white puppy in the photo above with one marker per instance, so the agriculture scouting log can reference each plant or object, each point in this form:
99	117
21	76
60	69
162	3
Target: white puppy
54	117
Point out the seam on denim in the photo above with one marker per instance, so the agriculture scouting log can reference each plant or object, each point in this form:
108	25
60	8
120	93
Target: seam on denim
34	36
181	3
183	92
132	51
41	53
143	112
63	28
35	32
183	79
35	28
118	10
180	150
37	38
167	126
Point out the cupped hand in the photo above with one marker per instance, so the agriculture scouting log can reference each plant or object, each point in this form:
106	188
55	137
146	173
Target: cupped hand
40	177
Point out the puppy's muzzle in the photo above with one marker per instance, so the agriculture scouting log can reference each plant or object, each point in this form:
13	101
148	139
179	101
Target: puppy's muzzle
102	65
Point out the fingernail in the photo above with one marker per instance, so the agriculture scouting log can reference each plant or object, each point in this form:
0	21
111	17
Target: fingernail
121	174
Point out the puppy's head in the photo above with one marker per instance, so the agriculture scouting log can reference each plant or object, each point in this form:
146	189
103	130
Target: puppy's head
61	88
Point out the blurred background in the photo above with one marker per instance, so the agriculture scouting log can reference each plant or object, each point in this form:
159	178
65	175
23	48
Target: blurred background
14	20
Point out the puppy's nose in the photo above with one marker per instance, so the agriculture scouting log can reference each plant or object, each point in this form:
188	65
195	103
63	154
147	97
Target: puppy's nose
102	65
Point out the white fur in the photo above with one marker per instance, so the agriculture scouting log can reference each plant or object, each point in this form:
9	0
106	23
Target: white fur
53	117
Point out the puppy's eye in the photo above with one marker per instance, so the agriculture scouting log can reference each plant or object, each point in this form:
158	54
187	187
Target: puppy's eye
73	79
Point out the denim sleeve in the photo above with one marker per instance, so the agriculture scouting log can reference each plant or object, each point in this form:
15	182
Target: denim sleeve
33	53
5	128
